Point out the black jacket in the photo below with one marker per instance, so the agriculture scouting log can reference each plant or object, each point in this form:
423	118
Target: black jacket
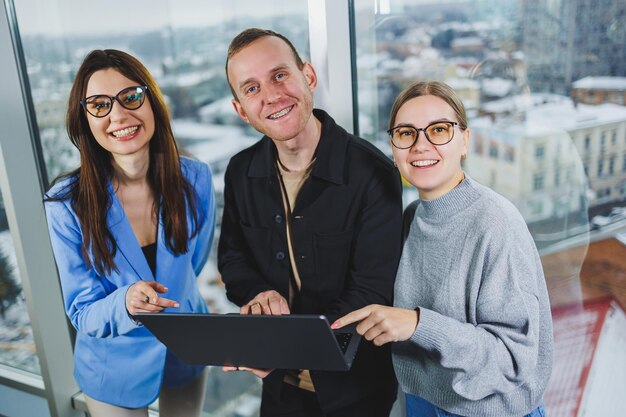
346	228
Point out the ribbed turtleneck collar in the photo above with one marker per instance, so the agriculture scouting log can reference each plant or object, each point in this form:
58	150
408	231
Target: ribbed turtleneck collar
455	201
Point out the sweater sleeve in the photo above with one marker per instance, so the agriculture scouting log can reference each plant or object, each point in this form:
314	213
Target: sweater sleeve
496	350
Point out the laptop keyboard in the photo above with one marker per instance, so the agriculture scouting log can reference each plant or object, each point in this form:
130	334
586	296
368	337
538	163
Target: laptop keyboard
344	340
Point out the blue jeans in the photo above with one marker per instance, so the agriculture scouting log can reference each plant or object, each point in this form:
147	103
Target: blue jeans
419	407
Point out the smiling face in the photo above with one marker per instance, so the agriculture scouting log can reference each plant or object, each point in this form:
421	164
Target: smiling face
433	170
123	132
273	94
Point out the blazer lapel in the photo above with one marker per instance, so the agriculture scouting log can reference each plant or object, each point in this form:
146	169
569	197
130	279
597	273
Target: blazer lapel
127	244
164	258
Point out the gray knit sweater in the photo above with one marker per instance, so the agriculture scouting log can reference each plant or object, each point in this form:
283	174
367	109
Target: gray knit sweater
483	345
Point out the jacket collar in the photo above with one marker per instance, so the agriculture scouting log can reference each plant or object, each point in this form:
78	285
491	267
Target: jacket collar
126	241
330	153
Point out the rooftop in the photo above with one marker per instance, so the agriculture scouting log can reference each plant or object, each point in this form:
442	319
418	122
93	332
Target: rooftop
601	83
577	330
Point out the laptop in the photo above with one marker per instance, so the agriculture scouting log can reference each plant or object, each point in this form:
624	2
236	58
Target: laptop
296	341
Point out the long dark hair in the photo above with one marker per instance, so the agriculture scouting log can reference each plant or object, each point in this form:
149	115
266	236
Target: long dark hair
87	188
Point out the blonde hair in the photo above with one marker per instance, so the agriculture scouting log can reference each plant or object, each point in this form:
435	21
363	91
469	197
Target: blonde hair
430	88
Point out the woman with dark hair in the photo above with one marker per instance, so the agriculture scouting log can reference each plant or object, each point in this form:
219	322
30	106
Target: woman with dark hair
471	316
132	224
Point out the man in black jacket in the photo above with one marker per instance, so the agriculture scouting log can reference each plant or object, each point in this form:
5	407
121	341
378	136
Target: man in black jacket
311	225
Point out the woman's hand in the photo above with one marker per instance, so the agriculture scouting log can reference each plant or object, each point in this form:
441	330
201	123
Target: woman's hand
143	297
381	324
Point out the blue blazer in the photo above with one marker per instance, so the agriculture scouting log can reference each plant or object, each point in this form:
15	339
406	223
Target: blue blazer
116	360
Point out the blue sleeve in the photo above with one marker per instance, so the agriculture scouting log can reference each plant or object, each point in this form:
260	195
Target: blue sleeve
95	306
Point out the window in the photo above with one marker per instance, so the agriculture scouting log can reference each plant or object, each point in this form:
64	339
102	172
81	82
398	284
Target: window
17	347
600	167
493	150
602	141
516	83
507	59
604	193
184	47
539	152
183	44
538	182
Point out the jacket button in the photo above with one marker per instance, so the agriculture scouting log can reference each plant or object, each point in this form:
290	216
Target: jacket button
280	255
278	218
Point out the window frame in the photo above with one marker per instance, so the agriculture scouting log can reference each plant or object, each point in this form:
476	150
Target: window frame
52	331
28	228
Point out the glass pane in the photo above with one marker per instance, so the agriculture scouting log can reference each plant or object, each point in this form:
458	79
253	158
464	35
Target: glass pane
543	83
17	347
183	44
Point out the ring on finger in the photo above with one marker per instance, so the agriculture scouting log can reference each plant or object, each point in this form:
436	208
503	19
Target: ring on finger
147	300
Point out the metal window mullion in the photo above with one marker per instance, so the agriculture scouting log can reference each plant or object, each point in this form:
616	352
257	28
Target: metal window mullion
331	56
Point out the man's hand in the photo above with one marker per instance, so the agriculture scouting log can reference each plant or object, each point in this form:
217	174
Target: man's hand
267	302
261	373
381	324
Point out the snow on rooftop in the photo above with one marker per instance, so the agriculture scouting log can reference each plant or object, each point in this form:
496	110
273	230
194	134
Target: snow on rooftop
468	41
521	102
214	151
497	87
191	130
509	130
212	143
566	116
223	106
518	55
189	79
601	83
463	83
555	112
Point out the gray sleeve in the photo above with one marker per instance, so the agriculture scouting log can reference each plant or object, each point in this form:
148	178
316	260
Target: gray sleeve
497	350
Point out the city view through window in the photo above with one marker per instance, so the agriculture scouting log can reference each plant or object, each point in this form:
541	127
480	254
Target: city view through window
544	83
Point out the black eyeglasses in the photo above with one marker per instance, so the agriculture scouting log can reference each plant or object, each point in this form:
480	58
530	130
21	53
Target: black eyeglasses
437	133
130	98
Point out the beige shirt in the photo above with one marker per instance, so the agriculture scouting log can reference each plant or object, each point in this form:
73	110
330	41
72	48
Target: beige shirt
293	181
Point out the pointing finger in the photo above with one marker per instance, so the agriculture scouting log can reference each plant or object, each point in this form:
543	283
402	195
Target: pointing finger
350	318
